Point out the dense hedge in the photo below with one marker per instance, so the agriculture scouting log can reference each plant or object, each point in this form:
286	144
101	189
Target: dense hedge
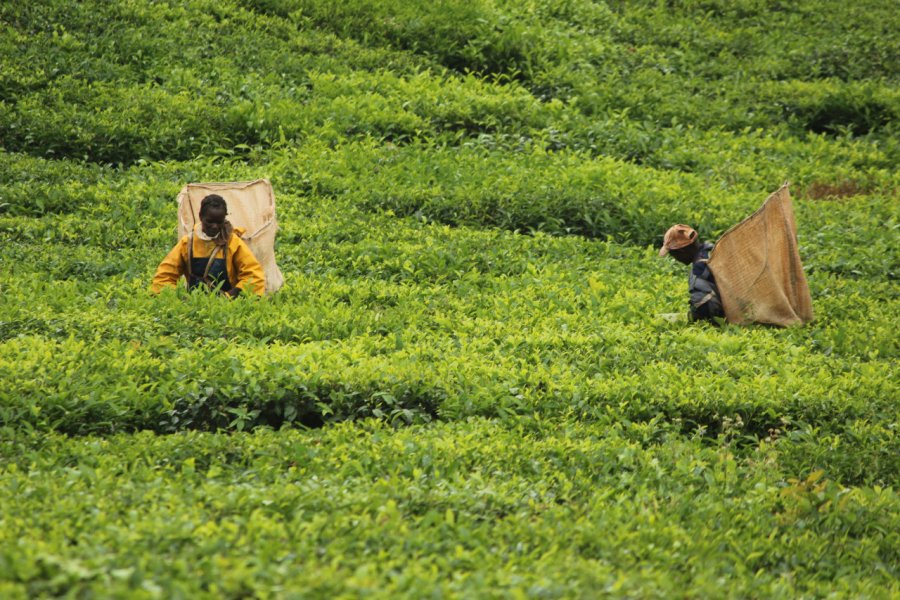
414	321
174	81
467	386
470	508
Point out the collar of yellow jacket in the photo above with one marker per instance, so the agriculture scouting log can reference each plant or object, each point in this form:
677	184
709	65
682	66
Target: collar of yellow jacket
239	231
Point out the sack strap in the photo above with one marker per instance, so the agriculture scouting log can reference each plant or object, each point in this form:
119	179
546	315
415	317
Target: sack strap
190	259
247	238
209	263
705	299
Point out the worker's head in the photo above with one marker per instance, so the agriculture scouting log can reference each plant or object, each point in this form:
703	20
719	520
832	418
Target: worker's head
213	210
682	243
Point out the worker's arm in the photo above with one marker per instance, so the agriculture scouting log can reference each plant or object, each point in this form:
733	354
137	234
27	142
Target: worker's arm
171	268
250	275
704	294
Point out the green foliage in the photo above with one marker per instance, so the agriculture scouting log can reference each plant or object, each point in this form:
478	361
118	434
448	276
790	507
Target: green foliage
466	387
528	509
413	320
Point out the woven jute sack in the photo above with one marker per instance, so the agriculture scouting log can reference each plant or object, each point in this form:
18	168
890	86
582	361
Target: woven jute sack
757	267
251	205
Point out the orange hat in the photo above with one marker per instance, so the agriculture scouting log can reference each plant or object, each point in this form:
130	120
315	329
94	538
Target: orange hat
678	236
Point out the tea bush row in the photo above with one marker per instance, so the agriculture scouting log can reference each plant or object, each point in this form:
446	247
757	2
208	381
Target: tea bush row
411	321
131	214
654	60
529	191
199	79
501	411
458	508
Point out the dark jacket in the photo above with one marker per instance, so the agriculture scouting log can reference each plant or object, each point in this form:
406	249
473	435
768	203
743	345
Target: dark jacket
705	301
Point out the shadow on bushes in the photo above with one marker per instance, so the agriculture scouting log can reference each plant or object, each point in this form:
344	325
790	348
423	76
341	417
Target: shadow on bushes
304	406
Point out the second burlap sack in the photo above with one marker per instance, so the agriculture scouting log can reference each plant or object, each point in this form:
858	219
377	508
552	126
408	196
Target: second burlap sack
757	267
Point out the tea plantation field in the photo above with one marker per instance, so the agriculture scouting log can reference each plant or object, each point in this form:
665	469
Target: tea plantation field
466	387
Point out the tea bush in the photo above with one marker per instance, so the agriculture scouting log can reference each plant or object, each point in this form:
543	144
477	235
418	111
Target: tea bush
415	321
467	386
456	509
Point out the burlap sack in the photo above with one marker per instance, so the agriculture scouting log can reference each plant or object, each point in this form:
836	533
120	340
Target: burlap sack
251	205
757	267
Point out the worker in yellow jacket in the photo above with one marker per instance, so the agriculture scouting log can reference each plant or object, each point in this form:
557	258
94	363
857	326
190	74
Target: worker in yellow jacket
212	256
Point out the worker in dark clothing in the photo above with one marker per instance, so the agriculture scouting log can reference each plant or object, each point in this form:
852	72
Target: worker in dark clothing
682	243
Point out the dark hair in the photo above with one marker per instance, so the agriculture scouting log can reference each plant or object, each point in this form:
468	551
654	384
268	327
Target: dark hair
212	201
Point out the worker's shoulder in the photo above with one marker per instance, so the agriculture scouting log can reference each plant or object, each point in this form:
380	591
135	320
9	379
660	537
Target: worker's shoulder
182	241
237	241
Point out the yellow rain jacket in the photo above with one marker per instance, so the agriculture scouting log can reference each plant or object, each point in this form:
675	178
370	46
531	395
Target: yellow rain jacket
242	268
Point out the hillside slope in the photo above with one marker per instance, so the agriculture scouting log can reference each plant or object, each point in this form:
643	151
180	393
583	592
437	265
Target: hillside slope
465	387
